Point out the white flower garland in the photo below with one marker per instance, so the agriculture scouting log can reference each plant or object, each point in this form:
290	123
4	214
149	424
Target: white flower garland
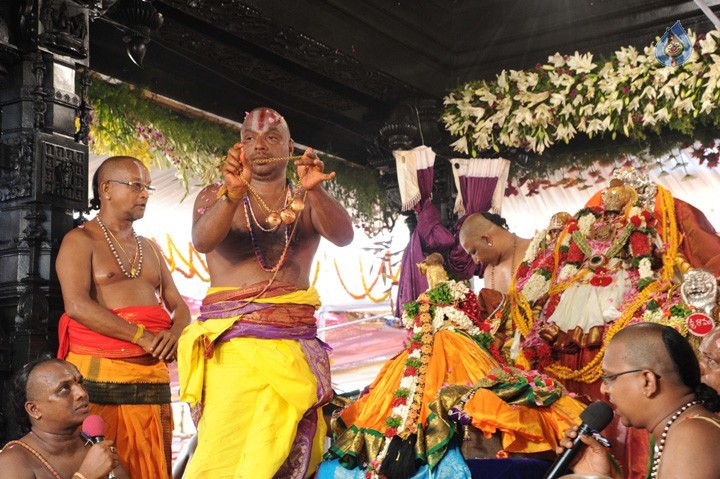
568	271
534	246
585	223
536	287
626	95
645	268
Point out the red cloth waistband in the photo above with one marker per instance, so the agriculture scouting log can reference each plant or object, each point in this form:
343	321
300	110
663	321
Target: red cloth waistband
79	339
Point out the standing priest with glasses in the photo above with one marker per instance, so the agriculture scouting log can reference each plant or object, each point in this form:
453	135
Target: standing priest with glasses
123	317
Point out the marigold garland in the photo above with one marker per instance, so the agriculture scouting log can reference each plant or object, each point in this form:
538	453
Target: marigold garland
189	262
368	289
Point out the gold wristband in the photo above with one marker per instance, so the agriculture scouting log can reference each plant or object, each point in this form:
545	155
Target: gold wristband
224	193
80	475
139	333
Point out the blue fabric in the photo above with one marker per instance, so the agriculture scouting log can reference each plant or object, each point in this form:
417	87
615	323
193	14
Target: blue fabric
508	468
452	466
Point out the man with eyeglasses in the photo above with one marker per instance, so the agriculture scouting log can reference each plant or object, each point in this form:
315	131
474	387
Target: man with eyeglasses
710	359
652	377
123	317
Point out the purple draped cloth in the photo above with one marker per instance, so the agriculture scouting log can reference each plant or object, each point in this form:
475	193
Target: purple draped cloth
429	237
477	193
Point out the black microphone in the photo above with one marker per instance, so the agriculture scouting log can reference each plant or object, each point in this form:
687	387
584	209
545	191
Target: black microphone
94	428
595	417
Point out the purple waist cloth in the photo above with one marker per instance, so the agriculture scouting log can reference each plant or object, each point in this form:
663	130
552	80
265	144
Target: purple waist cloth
228	309
240	329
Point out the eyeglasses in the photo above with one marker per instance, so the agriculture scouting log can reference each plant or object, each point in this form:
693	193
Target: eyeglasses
609	378
136	186
710	361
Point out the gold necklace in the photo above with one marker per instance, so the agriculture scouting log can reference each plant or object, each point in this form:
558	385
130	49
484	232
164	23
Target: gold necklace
134	273
288	214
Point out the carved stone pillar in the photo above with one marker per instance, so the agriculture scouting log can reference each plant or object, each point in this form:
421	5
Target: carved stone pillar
43	174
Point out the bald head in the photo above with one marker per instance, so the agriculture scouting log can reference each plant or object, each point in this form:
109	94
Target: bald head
110	168
659	348
475	225
262	120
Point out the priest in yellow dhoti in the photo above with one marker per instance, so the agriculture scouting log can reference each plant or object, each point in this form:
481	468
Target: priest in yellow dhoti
259	375
251	365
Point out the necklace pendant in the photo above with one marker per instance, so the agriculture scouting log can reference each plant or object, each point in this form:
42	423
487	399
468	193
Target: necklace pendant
133	271
274	219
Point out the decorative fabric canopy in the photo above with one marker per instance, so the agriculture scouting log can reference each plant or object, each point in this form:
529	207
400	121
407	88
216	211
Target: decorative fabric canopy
481	187
415	176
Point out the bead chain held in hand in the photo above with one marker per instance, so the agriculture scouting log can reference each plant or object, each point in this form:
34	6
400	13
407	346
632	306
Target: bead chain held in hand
223	191
661	444
133	273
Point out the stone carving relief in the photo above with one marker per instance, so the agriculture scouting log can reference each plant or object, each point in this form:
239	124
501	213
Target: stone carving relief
64	28
16	180
63	171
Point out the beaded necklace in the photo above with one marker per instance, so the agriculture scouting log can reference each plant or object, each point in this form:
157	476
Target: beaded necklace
134	273
661	445
256	247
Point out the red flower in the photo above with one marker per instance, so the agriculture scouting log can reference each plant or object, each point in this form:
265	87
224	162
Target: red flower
575	255
410	371
636	221
639	244
649	218
572	226
544	354
544	261
391	432
399	401
492	377
552	304
522	270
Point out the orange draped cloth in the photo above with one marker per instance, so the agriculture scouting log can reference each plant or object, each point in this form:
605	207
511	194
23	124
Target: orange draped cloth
132	397
141	426
76	338
456	359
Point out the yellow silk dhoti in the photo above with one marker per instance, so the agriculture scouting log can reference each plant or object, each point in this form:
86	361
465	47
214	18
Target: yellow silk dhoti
142	432
254	393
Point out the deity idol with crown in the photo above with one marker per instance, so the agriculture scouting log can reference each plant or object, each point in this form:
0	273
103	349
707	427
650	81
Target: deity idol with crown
594	276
